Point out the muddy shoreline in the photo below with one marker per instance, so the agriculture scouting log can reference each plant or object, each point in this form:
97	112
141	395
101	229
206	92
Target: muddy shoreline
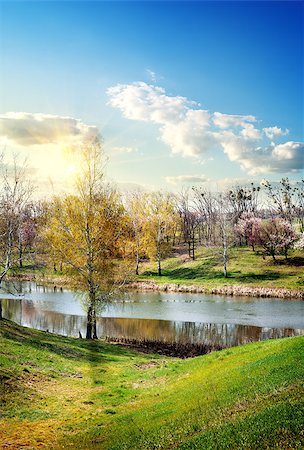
172	349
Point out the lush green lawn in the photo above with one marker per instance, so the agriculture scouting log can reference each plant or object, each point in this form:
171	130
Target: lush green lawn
245	267
69	393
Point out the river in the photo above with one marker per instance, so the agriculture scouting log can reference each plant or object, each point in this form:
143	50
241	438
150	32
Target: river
181	317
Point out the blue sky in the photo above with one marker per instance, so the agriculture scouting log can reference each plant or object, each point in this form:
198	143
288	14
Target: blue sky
181	92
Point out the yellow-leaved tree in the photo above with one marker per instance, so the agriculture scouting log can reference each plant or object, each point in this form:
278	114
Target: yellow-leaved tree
136	206
87	231
159	225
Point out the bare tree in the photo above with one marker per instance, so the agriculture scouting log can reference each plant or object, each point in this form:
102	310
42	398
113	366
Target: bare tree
206	209
15	193
225	227
285	199
299	203
190	221
243	200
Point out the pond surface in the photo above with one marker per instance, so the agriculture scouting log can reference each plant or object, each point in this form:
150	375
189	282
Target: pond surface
180	317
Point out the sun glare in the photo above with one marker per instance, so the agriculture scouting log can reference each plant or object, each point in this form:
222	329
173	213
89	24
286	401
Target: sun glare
71	170
58	165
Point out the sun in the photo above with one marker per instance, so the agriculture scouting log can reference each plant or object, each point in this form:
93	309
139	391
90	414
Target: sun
72	170
57	166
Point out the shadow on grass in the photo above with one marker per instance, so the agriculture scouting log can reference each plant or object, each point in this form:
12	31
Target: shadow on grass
253	277
93	351
189	273
296	261
201	274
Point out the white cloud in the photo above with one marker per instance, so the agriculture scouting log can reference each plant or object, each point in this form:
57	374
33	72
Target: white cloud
183	128
231	120
189	136
191	131
26	129
250	132
141	101
273	132
186	179
254	159
290	151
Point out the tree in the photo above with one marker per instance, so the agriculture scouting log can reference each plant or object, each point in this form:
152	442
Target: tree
299	203
299	245
215	213
283	198
246	228
86	231
15	192
276	236
136	211
243	200
159	225
190	222
27	232
225	229
205	206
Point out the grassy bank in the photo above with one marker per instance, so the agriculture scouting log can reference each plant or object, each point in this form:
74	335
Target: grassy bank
69	393
249	273
245	268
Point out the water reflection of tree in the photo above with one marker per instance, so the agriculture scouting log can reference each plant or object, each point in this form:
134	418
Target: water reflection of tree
28	313
190	332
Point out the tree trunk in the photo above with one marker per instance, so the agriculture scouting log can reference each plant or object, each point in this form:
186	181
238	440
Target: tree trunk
193	247
94	327
193	252
0	309
158	264
225	256
20	255
137	264
91	324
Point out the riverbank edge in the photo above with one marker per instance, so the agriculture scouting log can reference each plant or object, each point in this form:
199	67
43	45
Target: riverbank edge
150	285
231	290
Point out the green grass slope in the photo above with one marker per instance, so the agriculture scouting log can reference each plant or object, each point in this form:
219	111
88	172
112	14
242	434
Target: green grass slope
245	268
65	393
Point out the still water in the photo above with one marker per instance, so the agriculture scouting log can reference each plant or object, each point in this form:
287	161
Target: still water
153	315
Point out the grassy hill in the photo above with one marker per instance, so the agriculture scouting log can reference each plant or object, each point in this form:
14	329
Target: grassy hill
61	393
